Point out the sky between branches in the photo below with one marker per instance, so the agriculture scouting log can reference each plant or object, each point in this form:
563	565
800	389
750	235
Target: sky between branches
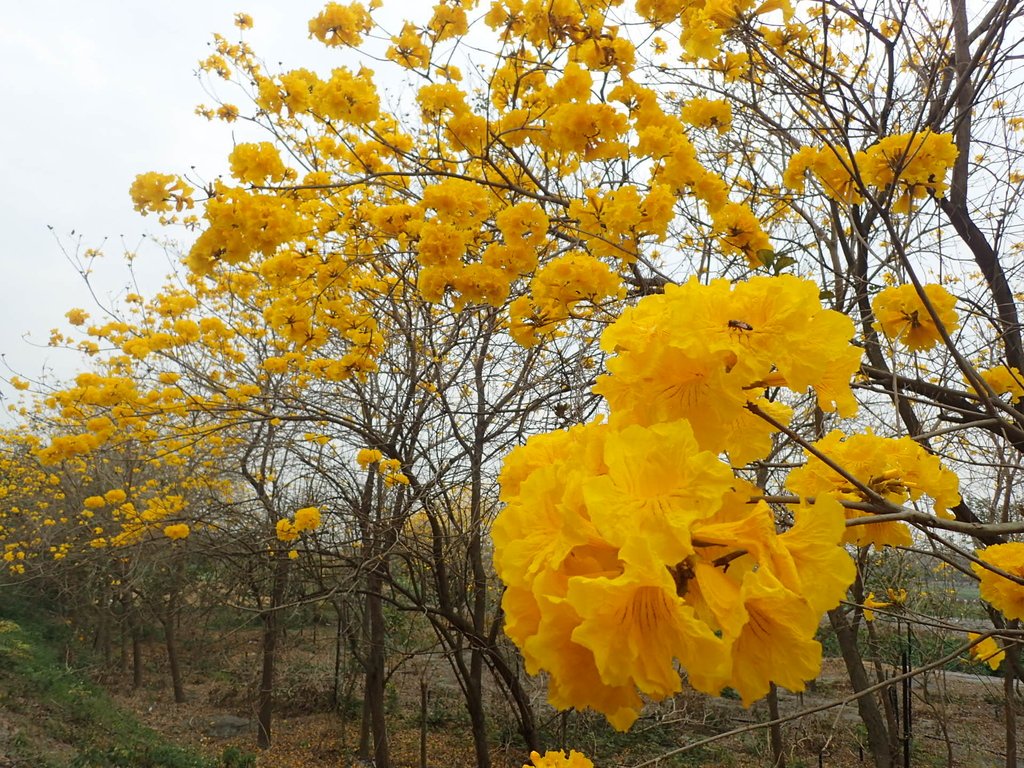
96	93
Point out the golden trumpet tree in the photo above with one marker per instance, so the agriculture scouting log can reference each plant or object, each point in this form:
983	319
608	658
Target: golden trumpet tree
792	230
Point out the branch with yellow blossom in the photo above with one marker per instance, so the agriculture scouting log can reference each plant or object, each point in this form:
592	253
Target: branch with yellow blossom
887	512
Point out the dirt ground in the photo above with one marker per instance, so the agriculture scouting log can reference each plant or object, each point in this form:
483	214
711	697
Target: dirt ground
957	719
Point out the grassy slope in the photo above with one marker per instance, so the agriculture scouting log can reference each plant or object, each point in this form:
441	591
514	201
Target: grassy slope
51	716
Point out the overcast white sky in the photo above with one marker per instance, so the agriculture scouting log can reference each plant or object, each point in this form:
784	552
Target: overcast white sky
94	93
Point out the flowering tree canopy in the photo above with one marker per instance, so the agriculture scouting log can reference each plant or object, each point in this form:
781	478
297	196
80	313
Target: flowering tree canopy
732	275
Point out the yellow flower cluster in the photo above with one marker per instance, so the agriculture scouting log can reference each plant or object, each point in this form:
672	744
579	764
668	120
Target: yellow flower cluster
240	224
612	223
870	604
389	469
901	315
454	250
627	551
986	651
347	97
76	316
1005	380
367	456
115	496
897	469
707	113
559	288
630	546
339	24
177	531
307	519
256	163
1003	594
135	523
304	519
912	165
408	48
159	193
705	22
285	530
558	759
915	163
701	352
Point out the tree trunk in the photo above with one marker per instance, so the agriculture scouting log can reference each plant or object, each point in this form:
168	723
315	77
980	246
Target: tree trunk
424	697
1011	671
514	686
136	653
169	619
775	730
102	642
475	704
375	677
338	646
365	737
271	631
125	636
889	699
867	706
474	685
133	628
171	643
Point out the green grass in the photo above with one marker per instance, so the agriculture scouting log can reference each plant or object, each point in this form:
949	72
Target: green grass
54	717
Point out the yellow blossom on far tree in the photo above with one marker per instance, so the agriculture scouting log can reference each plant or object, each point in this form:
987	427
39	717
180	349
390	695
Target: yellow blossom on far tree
115	496
160	193
870	604
897	469
901	315
76	316
286	530
707	113
339	24
1005	380
986	651
1003	594
177	531
368	456
559	759
307	518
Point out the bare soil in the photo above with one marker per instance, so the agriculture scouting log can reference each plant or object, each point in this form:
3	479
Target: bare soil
957	718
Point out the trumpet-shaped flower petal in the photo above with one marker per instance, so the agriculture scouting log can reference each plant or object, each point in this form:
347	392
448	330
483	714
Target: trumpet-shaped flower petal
658	483
654	627
986	651
901	315
1004	594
